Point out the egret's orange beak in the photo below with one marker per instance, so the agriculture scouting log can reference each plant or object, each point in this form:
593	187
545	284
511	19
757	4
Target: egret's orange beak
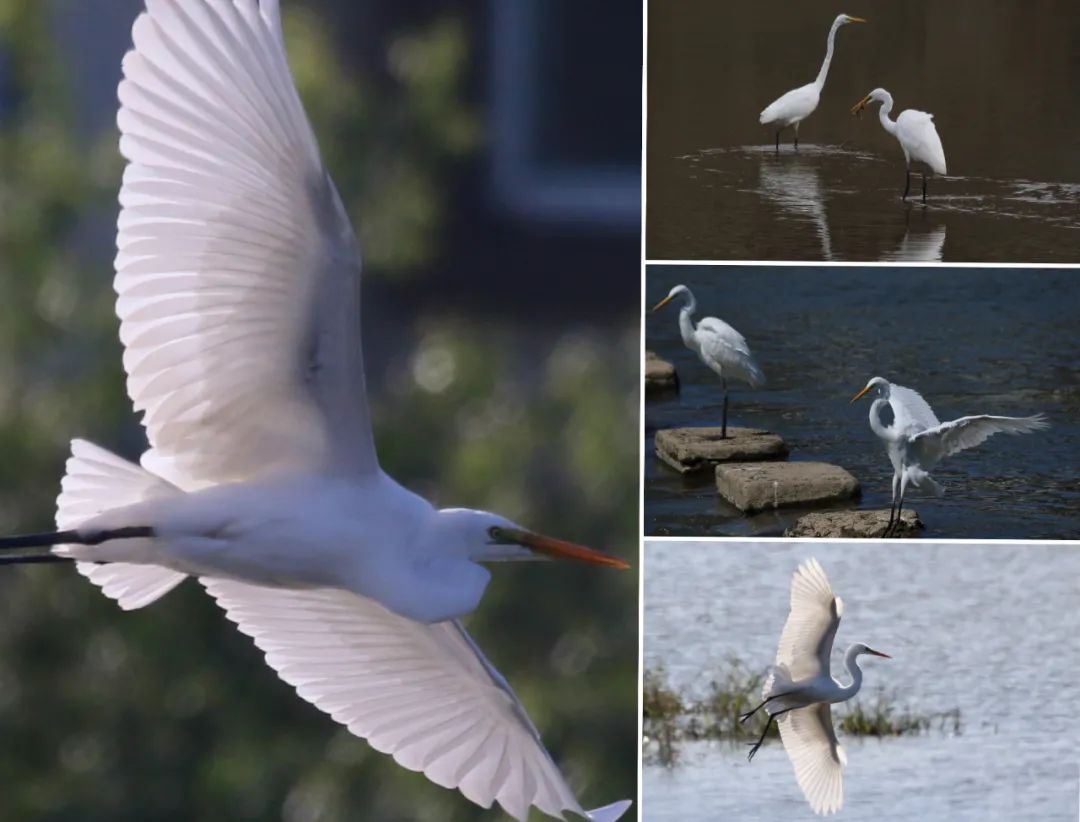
559	549
859	106
663	302
856	20
877	653
860	395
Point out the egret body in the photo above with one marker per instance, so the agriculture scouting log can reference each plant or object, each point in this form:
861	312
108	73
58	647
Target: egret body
800	688
238	291
916	133
796	105
916	440
717	344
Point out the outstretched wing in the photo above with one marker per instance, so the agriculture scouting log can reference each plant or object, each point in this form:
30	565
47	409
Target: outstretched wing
816	755
951	437
237	272
807	639
725	350
911	412
424	694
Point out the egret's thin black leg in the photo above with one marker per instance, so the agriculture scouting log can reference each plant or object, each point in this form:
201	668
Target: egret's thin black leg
754	747
778	142
73	538
907	186
895	524
723	418
35	559
748	714
796	139
924	189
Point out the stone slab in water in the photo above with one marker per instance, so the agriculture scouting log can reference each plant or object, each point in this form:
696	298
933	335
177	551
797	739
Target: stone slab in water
660	375
762	486
694	449
854	525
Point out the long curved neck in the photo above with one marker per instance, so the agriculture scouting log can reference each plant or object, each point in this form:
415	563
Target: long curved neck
882	431
851	663
686	325
883	115
824	71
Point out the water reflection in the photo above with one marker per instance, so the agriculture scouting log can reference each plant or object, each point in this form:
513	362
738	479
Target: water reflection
794	184
921	243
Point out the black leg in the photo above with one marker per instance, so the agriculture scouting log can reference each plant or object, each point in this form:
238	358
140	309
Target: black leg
895	524
924	189
723	421
907	185
796	140
778	142
754	747
748	714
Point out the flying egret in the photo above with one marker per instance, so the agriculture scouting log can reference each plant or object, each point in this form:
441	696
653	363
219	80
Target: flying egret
238	287
800	688
792	108
916	440
717	344
917	135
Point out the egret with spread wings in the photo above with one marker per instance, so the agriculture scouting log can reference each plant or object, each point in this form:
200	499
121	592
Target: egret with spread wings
792	108
723	349
238	283
916	134
800	689
916	440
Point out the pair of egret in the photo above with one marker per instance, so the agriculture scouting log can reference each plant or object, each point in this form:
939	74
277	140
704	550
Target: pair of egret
915	440
238	282
913	129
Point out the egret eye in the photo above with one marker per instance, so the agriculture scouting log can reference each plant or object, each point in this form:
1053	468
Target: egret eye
495	533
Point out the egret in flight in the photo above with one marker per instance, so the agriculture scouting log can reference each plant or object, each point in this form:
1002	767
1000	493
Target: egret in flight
916	440
917	135
800	689
238	283
717	344
799	103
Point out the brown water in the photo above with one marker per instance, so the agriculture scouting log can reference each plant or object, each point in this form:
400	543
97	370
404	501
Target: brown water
1000	76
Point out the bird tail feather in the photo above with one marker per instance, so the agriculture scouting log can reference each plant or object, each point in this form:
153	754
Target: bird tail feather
97	481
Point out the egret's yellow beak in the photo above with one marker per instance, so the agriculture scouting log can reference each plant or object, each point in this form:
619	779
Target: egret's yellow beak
559	549
663	302
856	20
859	106
860	395
877	653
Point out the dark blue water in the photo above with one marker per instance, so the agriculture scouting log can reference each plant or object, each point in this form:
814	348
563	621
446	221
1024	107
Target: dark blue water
998	341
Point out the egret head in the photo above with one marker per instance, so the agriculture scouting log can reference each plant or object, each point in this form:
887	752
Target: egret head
844	19
878	95
675	292
879	385
859	649
483	536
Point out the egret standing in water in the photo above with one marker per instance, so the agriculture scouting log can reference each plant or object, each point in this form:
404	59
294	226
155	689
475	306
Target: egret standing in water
917	135
800	689
238	282
798	104
717	344
916	440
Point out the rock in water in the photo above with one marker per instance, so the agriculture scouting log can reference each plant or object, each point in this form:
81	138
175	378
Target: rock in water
854	525
660	375
694	449
761	486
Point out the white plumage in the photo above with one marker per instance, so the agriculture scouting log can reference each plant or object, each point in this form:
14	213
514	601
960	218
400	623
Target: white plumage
800	688
916	440
792	108
916	133
237	280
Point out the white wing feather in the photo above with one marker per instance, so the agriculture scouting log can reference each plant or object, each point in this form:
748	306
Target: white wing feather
791	107
726	351
807	638
423	693
237	273
917	133
816	755
911	412
967	432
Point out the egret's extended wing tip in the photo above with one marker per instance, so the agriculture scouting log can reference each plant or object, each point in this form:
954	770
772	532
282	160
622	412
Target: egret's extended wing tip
609	813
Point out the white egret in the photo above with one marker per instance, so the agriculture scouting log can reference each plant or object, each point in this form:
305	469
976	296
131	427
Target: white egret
916	440
800	689
239	294
717	344
917	135
792	108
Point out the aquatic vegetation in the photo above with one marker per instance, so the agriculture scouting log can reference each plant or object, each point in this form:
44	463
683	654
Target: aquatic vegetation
670	717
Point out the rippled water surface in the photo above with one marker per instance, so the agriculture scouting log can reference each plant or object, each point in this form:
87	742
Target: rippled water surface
988	629
995	74
999	341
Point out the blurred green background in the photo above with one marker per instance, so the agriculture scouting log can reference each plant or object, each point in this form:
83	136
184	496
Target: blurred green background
503	357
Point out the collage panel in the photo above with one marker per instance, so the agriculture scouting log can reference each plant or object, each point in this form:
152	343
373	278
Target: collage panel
943	699
793	135
850	393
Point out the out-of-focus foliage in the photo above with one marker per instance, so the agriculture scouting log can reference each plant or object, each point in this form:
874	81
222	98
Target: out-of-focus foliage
168	713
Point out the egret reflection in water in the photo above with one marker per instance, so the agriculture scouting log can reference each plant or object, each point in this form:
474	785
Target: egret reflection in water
920	244
794	184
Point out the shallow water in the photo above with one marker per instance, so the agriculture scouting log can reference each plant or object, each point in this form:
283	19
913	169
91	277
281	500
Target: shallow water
1000	341
988	629
994	74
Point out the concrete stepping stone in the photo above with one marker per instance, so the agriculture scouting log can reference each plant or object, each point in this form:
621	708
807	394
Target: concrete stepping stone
660	375
854	525
762	486
694	449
